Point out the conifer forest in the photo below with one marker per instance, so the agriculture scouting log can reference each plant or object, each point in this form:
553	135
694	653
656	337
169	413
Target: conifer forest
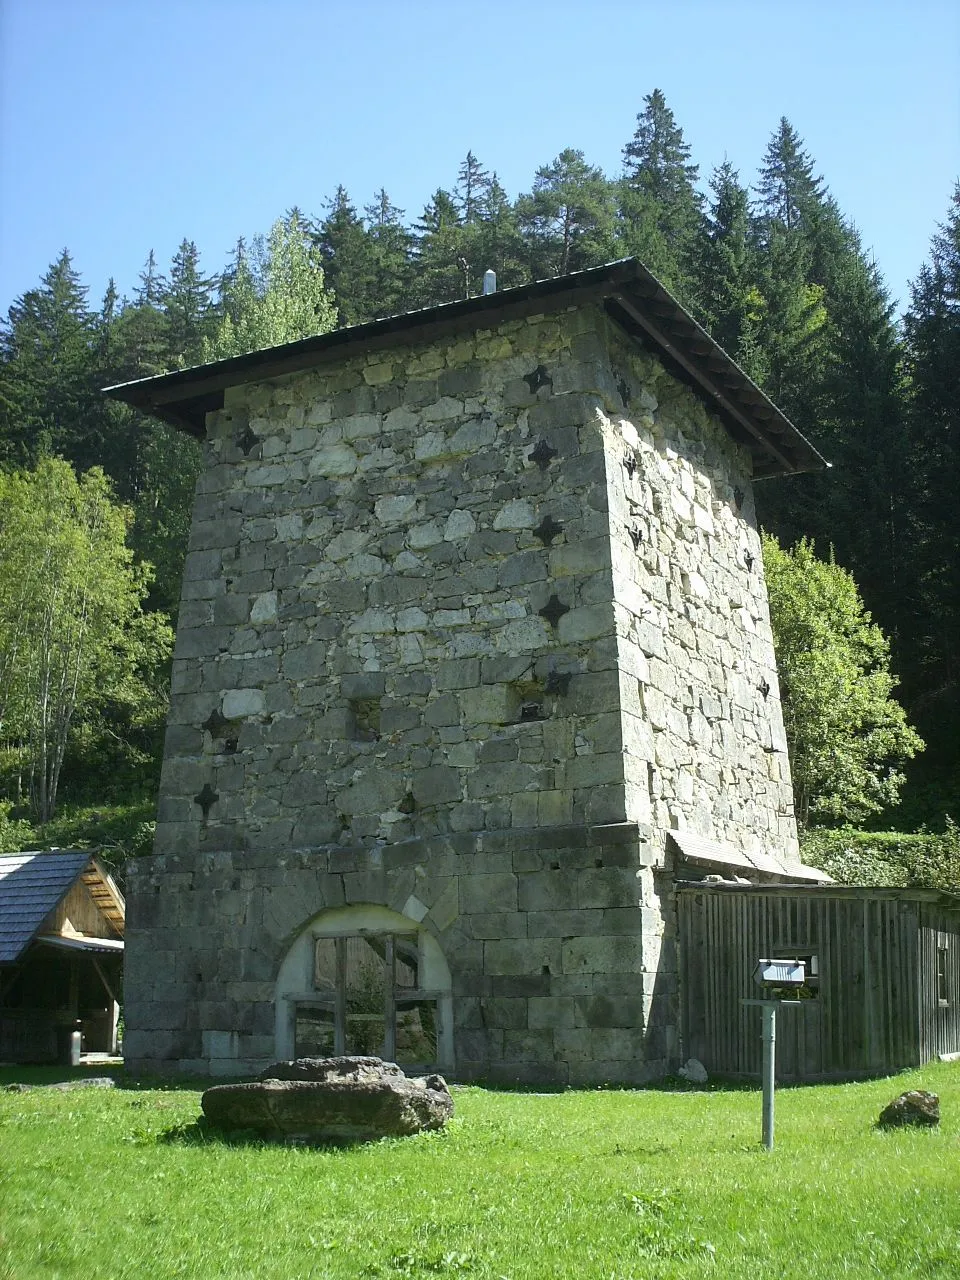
775	271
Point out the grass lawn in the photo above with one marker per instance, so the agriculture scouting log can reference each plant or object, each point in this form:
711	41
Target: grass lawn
612	1185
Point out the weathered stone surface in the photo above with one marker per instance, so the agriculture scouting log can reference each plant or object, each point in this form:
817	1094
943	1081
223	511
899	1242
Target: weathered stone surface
363	600
915	1107
351	1099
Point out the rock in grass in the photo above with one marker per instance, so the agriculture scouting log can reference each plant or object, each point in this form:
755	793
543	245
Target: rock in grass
694	1071
90	1082
915	1107
331	1100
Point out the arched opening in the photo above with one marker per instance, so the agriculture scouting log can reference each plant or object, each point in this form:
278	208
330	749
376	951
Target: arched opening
365	980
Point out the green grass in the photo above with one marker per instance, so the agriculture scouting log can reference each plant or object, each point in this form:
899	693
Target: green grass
606	1185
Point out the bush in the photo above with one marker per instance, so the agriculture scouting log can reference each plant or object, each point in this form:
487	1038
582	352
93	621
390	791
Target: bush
925	859
16	834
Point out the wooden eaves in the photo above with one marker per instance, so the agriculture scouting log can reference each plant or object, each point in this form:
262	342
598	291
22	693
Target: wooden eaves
630	294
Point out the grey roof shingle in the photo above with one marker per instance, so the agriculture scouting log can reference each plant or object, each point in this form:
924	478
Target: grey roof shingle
31	885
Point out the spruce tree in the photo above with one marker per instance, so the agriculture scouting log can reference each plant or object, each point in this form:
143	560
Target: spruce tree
473	186
349	260
497	244
788	188
48	350
392	256
730	300
187	307
443	273
932	332
660	207
141	326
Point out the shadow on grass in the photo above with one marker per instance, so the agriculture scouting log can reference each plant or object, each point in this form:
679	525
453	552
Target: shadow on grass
31	1077
200	1133
669	1084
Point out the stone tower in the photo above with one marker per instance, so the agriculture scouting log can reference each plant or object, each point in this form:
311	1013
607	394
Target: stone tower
473	620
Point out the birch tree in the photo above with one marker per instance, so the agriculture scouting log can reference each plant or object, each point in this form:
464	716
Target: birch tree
72	632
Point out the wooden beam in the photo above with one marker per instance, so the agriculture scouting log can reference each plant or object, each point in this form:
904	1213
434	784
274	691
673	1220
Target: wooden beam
103	978
700	376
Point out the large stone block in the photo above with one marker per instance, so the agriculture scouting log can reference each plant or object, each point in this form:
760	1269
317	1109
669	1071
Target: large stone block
522	957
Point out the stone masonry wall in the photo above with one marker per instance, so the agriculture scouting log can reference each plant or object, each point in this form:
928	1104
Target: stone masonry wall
420	663
704	744
551	955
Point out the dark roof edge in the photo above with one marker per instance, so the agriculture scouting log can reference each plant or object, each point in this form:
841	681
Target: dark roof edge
917	893
633	297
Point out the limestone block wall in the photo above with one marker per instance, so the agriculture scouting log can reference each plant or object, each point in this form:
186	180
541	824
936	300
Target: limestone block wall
704	745
551	953
466	627
397	615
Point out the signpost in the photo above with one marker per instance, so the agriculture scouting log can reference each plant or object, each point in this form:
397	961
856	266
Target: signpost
774	975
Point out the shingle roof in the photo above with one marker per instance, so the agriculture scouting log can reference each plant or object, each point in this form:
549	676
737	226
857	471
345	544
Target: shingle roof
31	885
630	294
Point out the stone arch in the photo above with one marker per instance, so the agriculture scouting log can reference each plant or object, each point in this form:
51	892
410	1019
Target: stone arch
297	986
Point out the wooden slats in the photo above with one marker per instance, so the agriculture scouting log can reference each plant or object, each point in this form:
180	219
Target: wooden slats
878	1007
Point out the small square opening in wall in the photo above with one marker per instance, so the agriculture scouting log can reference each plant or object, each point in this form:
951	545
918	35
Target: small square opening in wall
811	970
366	719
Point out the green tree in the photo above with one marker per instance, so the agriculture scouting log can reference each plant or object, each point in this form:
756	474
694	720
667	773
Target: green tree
660	207
48	356
846	734
473	187
932	482
391	289
728	271
349	260
187	303
788	188
497	243
72	633
285	299
442	269
141	341
567	221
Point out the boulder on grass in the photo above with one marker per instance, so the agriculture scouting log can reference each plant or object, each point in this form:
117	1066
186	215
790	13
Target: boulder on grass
916	1107
694	1071
331	1100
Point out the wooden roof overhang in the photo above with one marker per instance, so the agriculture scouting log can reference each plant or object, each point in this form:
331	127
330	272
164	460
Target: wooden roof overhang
32	886
629	293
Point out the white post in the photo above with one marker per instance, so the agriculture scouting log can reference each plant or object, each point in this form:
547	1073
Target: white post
769	1067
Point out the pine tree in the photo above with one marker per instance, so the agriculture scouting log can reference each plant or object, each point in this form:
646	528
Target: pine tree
788	188
50	401
349	260
932	332
187	307
730	300
567	221
473	187
660	207
443	272
391	289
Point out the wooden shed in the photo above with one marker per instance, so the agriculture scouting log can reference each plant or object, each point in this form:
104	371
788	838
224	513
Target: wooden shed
883	987
61	954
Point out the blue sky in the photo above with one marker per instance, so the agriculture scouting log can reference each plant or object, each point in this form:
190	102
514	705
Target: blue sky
126	125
